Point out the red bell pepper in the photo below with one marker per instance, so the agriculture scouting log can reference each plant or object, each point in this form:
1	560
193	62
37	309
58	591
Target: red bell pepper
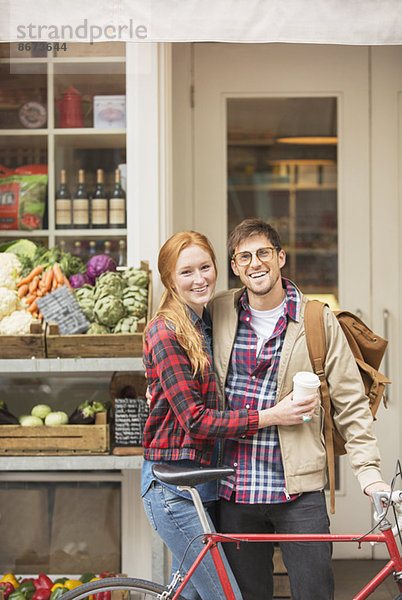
42	582
105	595
42	594
7	588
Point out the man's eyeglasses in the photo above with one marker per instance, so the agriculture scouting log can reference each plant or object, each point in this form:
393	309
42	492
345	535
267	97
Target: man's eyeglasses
243	259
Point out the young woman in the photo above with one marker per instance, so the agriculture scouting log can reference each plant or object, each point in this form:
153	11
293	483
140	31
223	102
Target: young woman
185	423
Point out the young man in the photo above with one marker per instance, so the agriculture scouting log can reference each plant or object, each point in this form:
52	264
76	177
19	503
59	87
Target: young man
259	345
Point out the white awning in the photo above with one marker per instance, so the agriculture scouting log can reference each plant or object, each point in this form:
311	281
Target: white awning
364	22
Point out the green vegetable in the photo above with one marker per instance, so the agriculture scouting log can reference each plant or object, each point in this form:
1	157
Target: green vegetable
109	283
97	329
17	595
57	592
56	418
109	310
41	410
60	580
85	577
27	588
98	406
30	421
126	325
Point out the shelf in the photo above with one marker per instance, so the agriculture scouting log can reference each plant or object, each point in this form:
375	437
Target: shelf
90	232
50	366
270	187
24	233
67	463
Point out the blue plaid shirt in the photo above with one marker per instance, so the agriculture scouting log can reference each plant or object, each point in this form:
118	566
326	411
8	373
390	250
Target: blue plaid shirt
251	383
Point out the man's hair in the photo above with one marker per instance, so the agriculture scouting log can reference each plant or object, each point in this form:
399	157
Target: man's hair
250	227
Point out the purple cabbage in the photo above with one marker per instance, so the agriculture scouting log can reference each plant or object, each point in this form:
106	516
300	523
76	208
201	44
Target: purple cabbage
79	279
101	263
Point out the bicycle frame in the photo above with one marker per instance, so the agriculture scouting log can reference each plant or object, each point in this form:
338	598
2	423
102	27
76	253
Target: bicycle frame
210	539
394	565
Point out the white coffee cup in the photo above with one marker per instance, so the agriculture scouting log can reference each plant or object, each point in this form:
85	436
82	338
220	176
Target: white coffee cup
305	384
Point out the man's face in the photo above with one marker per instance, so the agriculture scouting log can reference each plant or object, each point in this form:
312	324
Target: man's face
260	278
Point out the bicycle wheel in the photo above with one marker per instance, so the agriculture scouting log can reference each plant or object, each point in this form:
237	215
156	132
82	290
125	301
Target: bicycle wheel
132	589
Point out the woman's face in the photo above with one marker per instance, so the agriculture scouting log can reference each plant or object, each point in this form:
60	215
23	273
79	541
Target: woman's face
195	277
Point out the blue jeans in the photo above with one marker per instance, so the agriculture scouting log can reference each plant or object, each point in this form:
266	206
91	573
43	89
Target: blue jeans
308	563
175	519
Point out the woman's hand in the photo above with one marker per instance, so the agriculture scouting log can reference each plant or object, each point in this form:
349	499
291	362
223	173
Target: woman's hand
289	411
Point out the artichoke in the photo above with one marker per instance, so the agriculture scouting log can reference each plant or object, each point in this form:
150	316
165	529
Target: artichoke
109	310
87	305
126	325
113	282
97	329
137	277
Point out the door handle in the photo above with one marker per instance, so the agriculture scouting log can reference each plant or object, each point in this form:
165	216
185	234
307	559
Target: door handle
385	315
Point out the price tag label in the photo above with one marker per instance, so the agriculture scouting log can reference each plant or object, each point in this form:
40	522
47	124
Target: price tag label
62	308
130	415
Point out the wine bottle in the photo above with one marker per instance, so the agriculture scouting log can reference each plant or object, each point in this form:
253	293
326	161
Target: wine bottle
81	203
63	205
121	259
77	249
99	203
92	248
117	204
107	248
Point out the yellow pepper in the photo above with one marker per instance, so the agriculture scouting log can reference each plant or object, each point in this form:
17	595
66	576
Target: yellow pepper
56	585
94	579
70	584
11	579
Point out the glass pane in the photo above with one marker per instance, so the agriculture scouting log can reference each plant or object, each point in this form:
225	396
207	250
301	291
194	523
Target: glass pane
60	527
282	167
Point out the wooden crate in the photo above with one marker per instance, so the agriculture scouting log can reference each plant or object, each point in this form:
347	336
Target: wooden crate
31	345
281	578
16	440
112	345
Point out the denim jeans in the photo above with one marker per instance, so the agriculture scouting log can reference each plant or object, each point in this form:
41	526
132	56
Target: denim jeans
308	563
175	519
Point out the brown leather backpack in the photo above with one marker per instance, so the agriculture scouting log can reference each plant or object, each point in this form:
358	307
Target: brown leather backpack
368	349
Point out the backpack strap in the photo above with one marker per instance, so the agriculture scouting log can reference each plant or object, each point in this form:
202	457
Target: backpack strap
317	349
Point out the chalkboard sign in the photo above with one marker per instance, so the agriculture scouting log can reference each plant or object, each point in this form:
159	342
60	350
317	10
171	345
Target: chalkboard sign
62	308
130	415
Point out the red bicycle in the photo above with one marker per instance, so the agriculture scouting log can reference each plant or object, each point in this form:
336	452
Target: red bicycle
187	479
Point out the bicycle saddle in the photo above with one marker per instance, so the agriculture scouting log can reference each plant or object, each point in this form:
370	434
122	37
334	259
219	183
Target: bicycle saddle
190	476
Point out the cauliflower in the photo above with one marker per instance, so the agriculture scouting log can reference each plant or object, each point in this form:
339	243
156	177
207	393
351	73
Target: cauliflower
9	302
18	323
10	270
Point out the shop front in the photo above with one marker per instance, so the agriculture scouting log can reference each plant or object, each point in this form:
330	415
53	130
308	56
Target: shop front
304	136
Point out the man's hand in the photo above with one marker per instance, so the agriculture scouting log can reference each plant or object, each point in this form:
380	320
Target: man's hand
288	411
378	486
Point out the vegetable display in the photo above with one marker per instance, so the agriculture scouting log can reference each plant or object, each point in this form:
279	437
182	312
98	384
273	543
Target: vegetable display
116	302
42	414
43	587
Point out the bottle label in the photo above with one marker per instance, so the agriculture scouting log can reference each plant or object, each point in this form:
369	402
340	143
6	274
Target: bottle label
117	212
80	211
63	212
99	211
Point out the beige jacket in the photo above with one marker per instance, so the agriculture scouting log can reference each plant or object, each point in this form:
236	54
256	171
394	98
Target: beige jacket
302	446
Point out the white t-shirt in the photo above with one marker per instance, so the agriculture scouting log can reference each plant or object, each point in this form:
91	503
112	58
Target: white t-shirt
263	322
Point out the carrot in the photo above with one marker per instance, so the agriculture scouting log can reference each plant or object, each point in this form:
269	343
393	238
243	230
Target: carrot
68	284
58	273
54	283
23	290
33	308
36	271
39	293
34	284
30	298
47	280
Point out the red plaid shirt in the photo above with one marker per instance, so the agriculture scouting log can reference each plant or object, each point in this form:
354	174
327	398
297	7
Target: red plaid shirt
184	420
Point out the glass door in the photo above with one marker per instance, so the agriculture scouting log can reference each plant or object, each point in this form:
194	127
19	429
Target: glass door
249	99
282	168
